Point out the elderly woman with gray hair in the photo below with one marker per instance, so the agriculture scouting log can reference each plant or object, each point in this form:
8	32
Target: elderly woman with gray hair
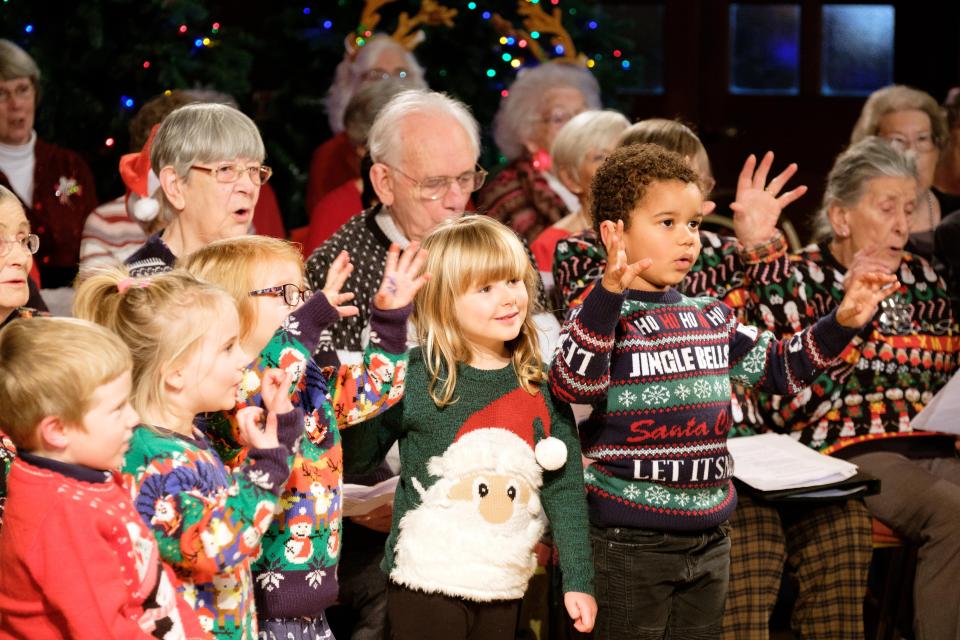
912	121
55	184
525	195
861	407
209	159
336	160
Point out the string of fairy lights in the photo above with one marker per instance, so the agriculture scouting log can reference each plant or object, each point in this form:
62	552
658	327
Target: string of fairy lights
514	52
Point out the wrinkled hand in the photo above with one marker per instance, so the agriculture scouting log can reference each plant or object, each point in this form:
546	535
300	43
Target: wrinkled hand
582	609
248	423
380	519
757	207
868	260
863	292
402	277
340	269
618	274
275	391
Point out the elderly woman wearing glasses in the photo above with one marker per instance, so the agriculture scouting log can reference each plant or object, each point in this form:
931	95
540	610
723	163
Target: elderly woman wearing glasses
913	122
861	408
525	195
55	184
336	161
209	159
17	246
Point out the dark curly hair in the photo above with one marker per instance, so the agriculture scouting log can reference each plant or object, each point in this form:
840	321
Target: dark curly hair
621	182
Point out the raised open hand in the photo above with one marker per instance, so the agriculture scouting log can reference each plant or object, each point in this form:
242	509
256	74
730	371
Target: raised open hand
863	291
402	277
340	269
758	205
618	274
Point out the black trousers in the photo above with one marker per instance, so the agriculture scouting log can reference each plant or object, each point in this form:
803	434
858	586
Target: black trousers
415	615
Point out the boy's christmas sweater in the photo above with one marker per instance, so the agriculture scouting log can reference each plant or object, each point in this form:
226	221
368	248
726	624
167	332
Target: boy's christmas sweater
77	562
720	271
657	367
886	375
472	498
295	573
208	521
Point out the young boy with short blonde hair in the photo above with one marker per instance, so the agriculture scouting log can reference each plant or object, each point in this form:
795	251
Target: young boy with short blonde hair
75	559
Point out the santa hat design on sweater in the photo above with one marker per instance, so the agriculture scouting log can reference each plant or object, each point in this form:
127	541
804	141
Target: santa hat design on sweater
141	181
511	434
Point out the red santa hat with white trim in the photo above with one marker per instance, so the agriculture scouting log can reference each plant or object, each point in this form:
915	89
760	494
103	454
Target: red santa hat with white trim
509	436
141	182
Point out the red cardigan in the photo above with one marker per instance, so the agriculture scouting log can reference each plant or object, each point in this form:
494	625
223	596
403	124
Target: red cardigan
58	211
76	561
333	163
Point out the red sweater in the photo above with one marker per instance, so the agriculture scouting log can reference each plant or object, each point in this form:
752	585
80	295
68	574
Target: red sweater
77	562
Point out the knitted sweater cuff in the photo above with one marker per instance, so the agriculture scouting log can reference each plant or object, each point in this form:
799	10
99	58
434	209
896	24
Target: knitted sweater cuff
290	428
771	250
600	311
390	328
831	336
273	466
314	316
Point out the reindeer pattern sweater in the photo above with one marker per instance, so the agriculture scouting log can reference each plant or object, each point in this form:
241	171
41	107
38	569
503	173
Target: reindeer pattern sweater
657	367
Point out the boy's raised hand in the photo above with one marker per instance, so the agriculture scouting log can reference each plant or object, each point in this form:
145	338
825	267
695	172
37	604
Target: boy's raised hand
402	277
275	390
758	205
340	269
582	608
863	291
618	274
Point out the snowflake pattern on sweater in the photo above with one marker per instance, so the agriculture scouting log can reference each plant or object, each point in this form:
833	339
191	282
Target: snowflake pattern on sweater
657	367
887	374
296	573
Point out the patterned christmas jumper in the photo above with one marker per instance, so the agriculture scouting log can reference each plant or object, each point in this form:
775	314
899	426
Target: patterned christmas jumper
77	562
296	572
657	366
884	377
476	479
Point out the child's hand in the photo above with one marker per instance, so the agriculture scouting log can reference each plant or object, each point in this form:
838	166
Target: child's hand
275	391
400	277
618	275
757	209
582	608
337	275
863	292
248	422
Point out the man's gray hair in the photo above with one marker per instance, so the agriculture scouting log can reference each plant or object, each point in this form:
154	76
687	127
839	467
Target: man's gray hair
384	141
870	158
520	110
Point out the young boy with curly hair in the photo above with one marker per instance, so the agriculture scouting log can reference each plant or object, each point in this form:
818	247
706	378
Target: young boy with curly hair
657	366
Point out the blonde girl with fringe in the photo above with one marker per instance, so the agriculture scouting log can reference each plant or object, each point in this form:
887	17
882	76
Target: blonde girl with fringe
183	335
487	455
296	573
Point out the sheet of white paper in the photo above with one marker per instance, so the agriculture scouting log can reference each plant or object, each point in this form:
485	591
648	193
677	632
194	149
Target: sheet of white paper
773	461
359	500
942	413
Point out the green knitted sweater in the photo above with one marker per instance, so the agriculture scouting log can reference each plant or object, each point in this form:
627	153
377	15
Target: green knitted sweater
467	512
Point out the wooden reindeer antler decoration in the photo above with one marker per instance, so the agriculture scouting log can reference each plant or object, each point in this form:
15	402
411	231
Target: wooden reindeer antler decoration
536	19
370	17
431	14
